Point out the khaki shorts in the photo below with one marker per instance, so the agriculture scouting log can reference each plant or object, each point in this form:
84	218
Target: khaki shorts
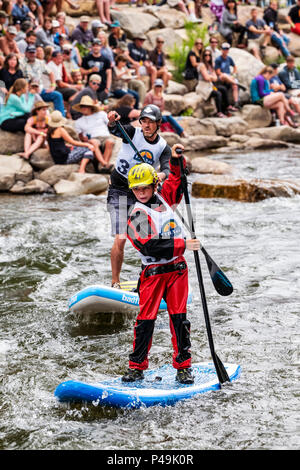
255	43
103	139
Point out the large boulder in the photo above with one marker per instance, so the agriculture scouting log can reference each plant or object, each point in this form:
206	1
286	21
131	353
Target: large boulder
41	159
206	165
35	186
256	116
137	23
285	133
171	37
12	169
11	142
168	17
194	126
247	65
294	45
81	183
58	172
223	186
228	126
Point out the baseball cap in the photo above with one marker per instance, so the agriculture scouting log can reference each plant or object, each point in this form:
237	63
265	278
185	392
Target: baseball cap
84	19
115	24
97	24
55	24
225	45
96	41
158	82
3	14
95	78
31	48
12	30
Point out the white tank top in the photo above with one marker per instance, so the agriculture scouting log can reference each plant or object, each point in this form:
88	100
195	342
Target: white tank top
151	153
167	225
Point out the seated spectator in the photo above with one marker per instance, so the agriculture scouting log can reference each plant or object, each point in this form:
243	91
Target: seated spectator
35	68
18	104
37	13
10	71
125	108
116	35
158	58
96	27
90	90
106	51
44	34
218	92
193	59
61	18
155	96
262	94
277	85
8	44
139	59
95	63
3	20
60	77
290	77
258	34
82	34
68	58
76	79
279	39
20	12
217	8
213	47
92	127
40	54
121	76
30	40
223	66
103	11
293	18
230	24
36	130
66	150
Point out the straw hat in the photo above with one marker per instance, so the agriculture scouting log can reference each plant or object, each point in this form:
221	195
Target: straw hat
56	119
86	101
39	105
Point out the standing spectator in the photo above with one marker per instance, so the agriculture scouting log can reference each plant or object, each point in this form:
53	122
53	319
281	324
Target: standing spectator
218	92
92	127
121	75
290	77
158	58
15	112
36	129
258	33
37	69
213	47
139	59
116	35
21	12
223	66
293	18
7	43
95	63
194	58
230	24
60	77
155	96
277	37
11	70
82	34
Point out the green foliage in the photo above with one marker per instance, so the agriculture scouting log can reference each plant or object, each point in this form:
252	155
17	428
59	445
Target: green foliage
187	112
178	54
83	50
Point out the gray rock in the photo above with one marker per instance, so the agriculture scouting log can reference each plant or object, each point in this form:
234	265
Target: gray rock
79	183
57	172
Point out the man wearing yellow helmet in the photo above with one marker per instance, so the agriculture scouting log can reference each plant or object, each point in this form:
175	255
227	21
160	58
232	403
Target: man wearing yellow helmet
157	233
155	151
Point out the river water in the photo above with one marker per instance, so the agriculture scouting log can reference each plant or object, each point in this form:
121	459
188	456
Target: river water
50	247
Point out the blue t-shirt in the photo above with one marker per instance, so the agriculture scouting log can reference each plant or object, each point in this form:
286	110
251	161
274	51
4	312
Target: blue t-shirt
260	24
224	64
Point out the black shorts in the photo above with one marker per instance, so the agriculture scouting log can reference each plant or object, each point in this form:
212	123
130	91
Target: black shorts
119	202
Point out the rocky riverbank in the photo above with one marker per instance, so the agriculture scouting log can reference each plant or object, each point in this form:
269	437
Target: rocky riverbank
249	129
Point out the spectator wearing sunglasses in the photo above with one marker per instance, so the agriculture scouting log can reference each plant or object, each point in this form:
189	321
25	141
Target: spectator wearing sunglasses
213	48
158	58
90	90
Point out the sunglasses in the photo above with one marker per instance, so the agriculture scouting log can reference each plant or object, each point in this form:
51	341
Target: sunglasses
207	54
160	42
95	83
199	43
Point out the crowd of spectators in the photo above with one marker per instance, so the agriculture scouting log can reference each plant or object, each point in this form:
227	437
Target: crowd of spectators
78	74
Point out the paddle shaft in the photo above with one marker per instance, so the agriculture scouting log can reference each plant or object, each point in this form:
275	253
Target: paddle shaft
222	284
220	369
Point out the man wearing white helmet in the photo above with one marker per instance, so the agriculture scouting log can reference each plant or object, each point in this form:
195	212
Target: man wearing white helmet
155	151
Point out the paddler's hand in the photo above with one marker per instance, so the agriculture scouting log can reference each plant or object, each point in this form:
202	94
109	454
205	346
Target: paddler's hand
174	153
192	244
113	116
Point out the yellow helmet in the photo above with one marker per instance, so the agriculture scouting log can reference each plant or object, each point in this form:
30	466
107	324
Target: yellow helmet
142	175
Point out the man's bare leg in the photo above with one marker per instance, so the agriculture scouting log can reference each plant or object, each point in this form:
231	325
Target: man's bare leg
117	256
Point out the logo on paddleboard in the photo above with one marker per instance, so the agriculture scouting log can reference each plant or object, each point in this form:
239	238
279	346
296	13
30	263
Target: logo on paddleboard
170	229
147	157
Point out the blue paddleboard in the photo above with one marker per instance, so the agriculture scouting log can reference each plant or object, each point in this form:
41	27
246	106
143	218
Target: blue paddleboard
159	387
103	299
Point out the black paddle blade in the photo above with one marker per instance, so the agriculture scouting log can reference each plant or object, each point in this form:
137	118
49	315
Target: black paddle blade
221	371
222	284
